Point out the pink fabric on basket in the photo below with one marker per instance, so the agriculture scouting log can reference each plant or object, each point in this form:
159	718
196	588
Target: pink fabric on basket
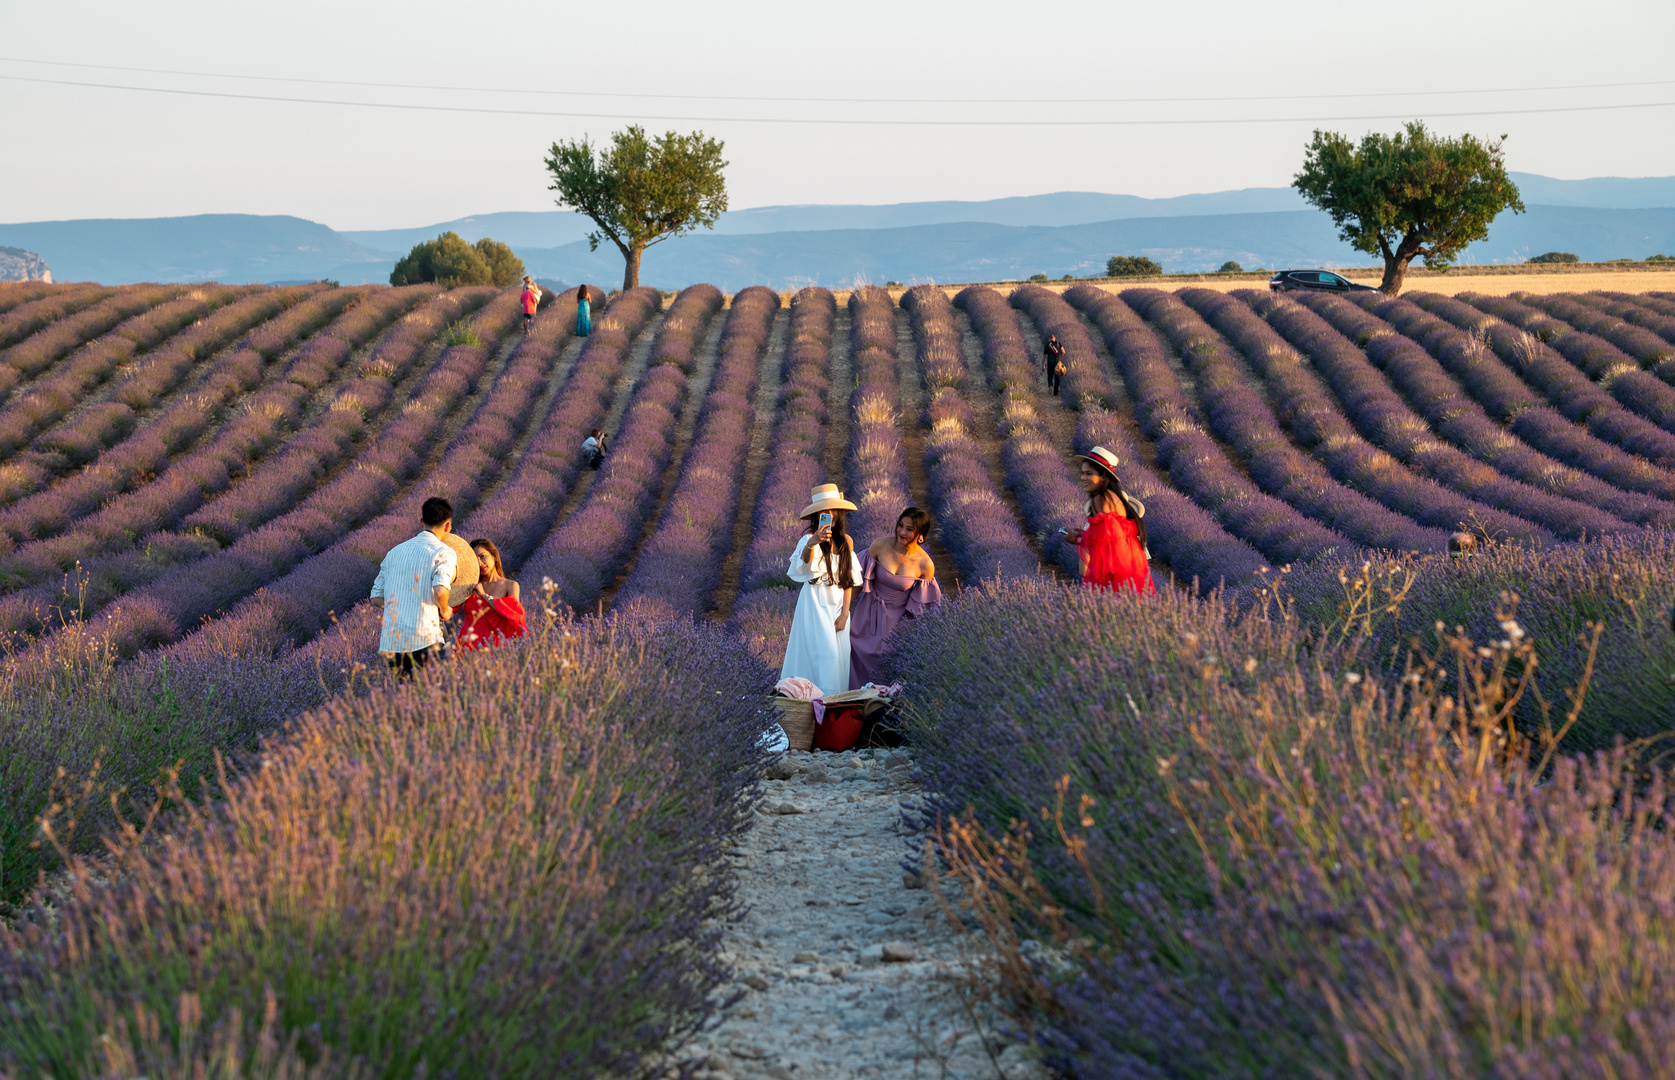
802	690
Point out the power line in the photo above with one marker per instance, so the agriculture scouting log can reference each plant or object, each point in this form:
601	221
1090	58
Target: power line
839	100
846	121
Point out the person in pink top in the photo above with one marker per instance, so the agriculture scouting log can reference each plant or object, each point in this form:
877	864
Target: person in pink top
898	581
531	299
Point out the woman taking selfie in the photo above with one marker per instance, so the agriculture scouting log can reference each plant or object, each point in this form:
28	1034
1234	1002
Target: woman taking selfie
1113	546
825	563
898	581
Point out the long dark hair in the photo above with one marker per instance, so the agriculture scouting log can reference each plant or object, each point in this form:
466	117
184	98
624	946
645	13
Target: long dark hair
1113	486
845	576
499	567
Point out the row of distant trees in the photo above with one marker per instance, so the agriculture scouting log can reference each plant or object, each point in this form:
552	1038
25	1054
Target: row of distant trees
1402	196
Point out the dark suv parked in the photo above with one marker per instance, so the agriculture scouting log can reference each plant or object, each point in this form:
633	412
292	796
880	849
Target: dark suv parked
1316	280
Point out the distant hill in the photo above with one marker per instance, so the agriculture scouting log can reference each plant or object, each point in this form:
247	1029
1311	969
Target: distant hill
1059	233
978	251
232	248
17	264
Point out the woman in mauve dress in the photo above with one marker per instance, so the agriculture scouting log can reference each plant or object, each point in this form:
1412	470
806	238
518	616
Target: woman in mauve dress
898	581
1113	546
824	561
492	614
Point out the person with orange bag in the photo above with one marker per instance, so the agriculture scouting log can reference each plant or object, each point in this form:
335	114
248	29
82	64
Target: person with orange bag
1113	545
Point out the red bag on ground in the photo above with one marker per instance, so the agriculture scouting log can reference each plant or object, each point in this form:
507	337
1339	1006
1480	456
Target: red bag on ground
840	729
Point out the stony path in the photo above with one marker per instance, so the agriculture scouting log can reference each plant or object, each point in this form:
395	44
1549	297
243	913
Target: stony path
845	966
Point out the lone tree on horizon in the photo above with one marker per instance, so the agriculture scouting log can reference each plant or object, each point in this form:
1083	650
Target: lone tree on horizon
1408	194
640	191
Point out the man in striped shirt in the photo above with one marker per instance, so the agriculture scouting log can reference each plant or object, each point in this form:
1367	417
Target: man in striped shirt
412	592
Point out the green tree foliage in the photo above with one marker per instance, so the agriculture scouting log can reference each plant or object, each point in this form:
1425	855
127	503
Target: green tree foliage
1131	266
450	262
1556	257
1408	195
1230	267
640	190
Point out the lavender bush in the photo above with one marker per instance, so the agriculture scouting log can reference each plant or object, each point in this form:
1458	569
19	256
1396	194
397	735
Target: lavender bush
678	565
976	526
595	542
1455	415
552	905
1599	316
876	464
59	303
1257	854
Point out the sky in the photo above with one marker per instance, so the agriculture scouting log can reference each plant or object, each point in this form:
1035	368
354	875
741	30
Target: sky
996	85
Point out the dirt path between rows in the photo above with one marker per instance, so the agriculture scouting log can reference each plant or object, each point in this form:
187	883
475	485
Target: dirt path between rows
697	388
763	416
845	967
913	448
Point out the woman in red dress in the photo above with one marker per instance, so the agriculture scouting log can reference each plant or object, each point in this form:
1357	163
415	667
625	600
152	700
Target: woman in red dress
1113	546
492	614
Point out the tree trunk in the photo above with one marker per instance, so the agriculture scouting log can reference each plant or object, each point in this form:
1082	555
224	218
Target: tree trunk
631	268
1395	269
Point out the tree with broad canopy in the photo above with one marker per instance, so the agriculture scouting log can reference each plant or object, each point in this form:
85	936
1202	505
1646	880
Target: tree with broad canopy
640	190
1408	195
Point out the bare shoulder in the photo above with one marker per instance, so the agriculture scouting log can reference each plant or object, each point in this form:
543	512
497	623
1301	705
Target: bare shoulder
876	548
927	566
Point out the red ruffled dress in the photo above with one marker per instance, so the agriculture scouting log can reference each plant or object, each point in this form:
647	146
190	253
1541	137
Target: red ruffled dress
1116	558
485	623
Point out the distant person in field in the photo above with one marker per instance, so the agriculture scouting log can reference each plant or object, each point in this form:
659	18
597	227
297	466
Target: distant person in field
1113	545
412	592
1052	362
593	447
493	614
898	581
531	299
824	561
584	313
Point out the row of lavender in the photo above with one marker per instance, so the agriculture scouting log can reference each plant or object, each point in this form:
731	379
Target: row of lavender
585	553
761	611
1380	447
1499	386
678	565
1547	492
38	352
126	543
1036	472
42	311
203	357
876	464
975	525
1184	535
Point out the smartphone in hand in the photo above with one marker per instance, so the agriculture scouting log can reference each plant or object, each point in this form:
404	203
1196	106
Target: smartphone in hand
826	519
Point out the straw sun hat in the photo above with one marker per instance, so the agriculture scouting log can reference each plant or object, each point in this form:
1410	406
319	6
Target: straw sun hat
466	571
826	497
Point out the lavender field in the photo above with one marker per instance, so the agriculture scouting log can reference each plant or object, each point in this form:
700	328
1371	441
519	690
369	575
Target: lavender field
1332	803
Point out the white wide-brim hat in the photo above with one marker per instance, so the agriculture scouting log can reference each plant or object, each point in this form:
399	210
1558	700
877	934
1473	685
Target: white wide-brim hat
1107	461
826	497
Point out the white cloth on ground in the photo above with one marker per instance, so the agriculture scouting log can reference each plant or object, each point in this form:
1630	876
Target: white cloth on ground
817	650
406	582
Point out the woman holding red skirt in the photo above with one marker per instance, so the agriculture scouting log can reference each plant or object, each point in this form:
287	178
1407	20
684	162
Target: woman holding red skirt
1113	546
492	615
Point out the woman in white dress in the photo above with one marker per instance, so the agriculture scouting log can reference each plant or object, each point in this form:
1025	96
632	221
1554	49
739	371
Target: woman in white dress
825	563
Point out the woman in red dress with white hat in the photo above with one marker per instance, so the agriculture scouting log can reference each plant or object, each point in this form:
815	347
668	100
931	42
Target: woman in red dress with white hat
1113	546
